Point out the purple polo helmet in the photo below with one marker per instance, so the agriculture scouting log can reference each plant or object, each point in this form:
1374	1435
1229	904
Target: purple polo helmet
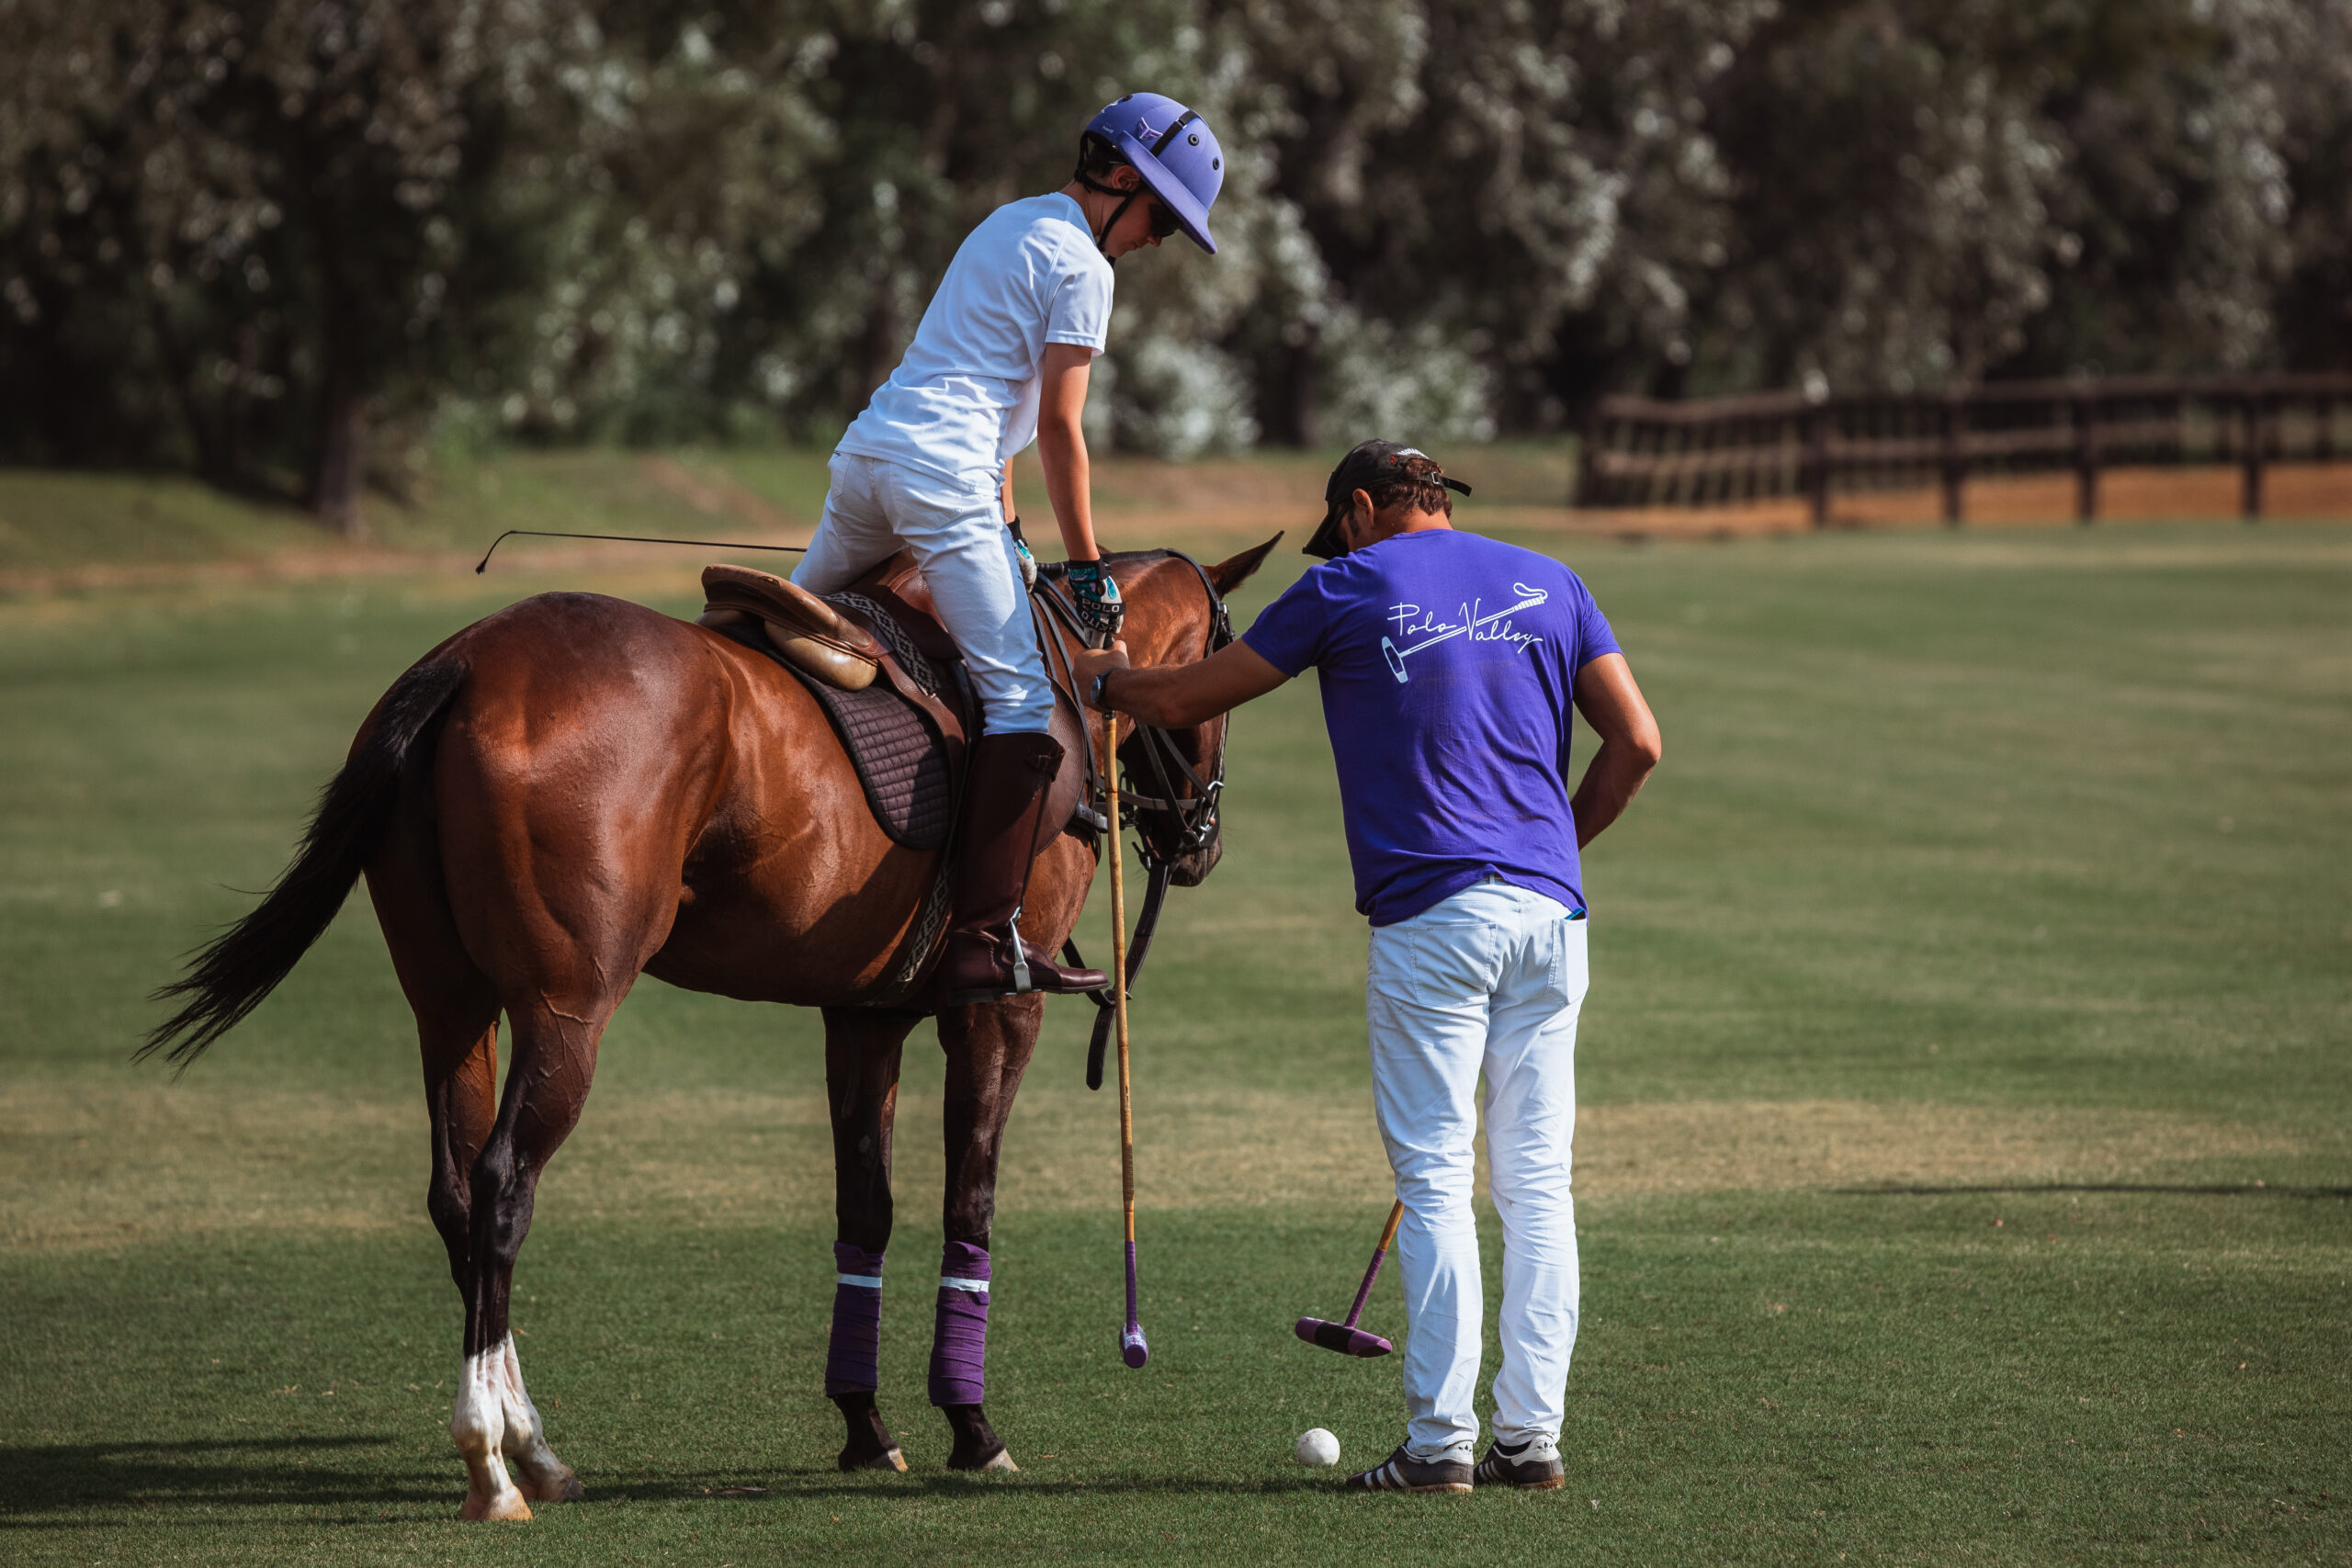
1174	150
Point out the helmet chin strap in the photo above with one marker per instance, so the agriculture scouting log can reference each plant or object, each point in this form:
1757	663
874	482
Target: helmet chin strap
1127	194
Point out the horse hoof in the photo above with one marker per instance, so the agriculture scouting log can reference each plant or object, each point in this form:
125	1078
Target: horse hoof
888	1459
999	1459
505	1505
563	1488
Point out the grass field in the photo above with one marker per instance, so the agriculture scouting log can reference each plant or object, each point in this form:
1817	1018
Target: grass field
1965	1158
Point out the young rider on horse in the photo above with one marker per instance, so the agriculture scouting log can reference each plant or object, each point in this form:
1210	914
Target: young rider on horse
1002	357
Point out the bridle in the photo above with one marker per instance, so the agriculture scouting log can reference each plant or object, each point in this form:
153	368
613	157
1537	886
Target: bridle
1151	756
1156	757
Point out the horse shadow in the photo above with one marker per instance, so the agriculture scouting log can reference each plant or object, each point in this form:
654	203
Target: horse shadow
39	1483
216	1472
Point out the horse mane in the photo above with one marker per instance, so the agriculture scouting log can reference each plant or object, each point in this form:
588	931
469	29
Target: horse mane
1055	570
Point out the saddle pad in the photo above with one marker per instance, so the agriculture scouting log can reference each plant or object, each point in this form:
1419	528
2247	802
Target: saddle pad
900	761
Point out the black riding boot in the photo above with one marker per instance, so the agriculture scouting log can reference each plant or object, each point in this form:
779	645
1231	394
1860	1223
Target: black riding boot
1004	802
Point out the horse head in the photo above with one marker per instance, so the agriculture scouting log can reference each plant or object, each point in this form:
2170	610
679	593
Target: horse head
1176	614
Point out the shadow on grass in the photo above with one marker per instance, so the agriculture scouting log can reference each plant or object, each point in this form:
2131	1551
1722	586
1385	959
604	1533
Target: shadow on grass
232	1472
2223	1190
262	1473
830	1484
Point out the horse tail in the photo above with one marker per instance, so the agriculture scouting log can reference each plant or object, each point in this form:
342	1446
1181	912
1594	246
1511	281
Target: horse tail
231	974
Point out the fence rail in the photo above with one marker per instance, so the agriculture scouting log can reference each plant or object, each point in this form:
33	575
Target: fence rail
1725	451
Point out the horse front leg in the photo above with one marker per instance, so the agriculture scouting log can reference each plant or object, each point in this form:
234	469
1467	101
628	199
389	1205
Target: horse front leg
863	1049
987	1049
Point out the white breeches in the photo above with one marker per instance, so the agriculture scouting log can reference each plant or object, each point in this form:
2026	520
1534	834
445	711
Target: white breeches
1488	981
957	534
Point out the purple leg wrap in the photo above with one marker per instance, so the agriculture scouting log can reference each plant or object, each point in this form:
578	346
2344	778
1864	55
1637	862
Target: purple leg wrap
853	1363
959	1341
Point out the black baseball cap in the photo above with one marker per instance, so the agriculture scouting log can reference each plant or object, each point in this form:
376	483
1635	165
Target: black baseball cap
1363	468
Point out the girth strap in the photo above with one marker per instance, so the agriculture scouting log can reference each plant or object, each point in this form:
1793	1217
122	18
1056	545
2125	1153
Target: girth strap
1105	1005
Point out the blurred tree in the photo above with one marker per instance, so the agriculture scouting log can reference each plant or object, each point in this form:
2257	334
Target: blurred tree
1471	178
2299	54
246	235
2168	220
1887	202
294	218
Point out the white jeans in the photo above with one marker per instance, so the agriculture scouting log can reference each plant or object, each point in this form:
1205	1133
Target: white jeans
957	534
1490	980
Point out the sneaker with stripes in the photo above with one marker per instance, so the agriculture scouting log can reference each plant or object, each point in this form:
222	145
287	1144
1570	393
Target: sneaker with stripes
1534	1466
1400	1471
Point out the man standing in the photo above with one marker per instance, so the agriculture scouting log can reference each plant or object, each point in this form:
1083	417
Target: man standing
1449	665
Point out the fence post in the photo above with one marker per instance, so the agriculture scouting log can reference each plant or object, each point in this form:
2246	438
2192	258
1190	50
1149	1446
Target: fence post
1817	461
2085	416
1955	456
2250	490
1584	490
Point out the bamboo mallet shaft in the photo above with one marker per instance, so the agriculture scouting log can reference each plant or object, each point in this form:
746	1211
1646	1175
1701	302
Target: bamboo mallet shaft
1132	1346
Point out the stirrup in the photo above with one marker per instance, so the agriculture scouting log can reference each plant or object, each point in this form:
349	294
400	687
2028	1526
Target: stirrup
1021	985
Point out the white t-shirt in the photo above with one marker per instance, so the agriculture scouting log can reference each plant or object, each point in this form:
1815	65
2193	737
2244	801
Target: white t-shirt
965	398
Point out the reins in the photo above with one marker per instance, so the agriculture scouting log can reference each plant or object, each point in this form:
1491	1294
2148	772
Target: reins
1195	815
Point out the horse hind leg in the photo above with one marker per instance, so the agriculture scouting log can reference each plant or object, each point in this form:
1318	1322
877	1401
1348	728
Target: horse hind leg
457	1013
493	1416
862	1050
495	1420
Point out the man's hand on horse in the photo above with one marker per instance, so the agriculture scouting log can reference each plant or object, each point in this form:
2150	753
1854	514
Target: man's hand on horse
1090	665
1171	696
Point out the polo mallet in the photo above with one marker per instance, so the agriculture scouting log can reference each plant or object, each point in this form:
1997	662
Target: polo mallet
1132	1349
1345	1337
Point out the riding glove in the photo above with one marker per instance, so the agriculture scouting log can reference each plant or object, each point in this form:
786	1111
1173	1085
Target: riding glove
1096	592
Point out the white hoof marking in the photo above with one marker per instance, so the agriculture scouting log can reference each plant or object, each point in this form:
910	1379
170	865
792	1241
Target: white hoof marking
495	1421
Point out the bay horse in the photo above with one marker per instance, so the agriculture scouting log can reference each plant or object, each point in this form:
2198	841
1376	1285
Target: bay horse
578	790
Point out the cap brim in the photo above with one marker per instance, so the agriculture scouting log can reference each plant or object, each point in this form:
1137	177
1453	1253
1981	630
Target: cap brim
1190	213
1326	544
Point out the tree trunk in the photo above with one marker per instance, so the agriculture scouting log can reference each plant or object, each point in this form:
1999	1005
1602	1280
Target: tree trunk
877	349
179	374
341	459
1306	393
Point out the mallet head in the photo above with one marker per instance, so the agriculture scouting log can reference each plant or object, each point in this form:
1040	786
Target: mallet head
1131	1350
1340	1338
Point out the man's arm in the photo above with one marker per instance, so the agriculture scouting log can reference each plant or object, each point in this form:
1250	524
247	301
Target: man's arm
1176	696
1630	744
1061	444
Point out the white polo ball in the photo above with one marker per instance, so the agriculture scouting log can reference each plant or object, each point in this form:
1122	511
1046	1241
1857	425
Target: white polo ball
1317	1448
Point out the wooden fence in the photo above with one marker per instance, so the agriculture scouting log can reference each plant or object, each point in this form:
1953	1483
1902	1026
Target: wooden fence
1727	451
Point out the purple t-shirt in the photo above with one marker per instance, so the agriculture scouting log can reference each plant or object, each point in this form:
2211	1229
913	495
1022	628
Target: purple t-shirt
1448	663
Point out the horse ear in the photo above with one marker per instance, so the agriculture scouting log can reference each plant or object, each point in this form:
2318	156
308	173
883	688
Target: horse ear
1231	574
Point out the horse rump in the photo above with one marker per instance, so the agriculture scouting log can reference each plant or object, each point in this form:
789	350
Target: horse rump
229	976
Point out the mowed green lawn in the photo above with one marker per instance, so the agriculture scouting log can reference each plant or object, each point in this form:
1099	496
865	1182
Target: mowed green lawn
1966	1162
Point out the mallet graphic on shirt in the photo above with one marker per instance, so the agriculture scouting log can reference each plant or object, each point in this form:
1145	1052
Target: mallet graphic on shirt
1396	656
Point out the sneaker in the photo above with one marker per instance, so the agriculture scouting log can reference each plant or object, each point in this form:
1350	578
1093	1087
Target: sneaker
1400	1471
1534	1466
